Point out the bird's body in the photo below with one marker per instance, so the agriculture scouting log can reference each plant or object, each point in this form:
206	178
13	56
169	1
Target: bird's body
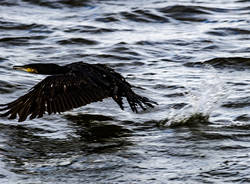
69	87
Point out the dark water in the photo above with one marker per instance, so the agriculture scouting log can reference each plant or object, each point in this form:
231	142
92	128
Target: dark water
192	57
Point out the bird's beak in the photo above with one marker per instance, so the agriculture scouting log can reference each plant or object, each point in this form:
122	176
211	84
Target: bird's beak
19	68
26	69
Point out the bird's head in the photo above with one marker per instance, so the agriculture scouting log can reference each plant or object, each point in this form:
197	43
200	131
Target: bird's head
41	68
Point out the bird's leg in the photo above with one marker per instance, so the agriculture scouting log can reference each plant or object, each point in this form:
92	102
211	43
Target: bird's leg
117	98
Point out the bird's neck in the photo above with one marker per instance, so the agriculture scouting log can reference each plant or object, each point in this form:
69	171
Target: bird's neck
52	69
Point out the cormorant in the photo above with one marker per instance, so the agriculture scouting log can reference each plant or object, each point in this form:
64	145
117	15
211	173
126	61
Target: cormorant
71	86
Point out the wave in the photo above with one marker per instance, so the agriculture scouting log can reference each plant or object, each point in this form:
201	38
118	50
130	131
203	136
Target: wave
140	15
185	13
184	9
79	41
19	41
239	63
8	3
160	15
108	17
242	102
7	25
58	3
228	31
244	118
89	29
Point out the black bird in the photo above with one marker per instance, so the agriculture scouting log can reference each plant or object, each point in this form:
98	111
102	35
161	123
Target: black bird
71	86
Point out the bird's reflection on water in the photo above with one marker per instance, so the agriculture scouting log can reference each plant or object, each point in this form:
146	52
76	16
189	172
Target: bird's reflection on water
96	128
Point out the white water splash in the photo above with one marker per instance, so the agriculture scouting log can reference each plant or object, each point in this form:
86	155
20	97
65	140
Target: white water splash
202	99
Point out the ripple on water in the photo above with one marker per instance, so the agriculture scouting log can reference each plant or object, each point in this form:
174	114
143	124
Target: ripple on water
243	117
8	3
184	9
161	46
77	41
89	29
59	3
185	13
228	31
4	25
144	16
7	87
108	17
20	41
238	63
240	102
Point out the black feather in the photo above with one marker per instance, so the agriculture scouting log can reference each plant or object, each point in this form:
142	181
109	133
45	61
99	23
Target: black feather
72	86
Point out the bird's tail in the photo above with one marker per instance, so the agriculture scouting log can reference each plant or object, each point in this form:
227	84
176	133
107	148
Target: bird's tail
136	101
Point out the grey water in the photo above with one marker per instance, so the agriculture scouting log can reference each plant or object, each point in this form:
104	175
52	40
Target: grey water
190	56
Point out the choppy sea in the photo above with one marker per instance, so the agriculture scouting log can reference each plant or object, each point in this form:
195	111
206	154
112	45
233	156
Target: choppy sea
191	56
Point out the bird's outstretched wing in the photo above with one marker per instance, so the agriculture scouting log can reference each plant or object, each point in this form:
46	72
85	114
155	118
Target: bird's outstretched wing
56	94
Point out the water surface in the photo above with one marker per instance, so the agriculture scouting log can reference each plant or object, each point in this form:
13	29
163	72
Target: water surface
192	57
